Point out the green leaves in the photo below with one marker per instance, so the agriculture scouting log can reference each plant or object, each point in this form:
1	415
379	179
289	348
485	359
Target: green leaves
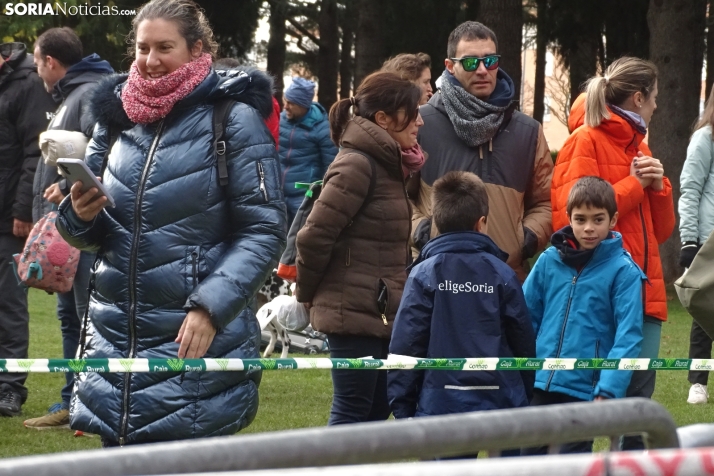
25	363
268	364
127	364
77	365
175	364
356	363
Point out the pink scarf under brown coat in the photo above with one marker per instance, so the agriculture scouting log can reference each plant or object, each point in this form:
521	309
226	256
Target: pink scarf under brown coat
412	160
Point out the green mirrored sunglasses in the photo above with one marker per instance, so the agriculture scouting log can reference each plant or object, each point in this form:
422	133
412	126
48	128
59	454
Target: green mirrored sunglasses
471	63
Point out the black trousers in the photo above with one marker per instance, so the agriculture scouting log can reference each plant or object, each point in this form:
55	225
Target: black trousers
552	398
14	318
358	395
700	347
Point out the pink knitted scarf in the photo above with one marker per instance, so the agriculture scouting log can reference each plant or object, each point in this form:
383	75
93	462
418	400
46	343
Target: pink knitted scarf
146	101
412	160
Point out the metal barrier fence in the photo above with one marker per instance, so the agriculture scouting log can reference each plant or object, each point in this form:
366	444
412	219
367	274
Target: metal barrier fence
691	462
696	436
418	438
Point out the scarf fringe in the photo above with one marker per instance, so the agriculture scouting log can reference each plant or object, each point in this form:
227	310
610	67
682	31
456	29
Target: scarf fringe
480	148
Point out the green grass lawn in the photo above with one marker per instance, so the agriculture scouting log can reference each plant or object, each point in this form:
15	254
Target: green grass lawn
291	399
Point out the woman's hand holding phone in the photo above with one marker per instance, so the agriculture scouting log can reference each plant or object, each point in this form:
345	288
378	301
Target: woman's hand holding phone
86	205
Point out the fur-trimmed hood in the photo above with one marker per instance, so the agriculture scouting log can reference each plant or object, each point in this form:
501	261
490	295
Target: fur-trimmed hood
247	85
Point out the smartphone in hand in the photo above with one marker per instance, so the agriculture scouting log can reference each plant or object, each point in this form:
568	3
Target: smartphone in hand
76	170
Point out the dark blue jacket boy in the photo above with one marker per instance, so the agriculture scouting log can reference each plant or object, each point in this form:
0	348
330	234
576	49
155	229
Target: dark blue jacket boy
461	300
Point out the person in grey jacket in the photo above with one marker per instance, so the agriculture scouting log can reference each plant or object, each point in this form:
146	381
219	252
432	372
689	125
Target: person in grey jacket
25	109
70	78
696	222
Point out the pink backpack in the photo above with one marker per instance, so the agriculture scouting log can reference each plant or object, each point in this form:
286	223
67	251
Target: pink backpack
47	262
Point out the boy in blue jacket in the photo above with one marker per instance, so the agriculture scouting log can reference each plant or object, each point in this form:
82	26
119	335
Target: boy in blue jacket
585	299
461	300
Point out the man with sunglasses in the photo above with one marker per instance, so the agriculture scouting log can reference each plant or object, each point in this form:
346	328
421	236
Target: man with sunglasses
472	124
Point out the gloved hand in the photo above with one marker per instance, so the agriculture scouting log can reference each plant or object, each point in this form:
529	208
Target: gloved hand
688	252
530	243
422	234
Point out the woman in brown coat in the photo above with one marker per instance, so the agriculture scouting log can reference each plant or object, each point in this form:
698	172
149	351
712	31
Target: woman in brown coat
353	249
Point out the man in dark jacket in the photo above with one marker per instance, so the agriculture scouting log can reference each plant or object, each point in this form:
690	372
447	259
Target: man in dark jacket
472	125
70	78
24	112
306	149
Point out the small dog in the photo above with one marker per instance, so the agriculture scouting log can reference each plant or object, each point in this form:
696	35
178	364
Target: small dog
267	313
273	287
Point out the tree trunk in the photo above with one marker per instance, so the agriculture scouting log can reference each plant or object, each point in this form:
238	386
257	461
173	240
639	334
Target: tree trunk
583	66
369	44
541	50
276	46
626	35
472	9
423	26
329	54
710	51
677	47
346	62
505	18
576	30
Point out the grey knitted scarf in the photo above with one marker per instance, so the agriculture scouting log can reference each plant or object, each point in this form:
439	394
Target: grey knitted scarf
475	121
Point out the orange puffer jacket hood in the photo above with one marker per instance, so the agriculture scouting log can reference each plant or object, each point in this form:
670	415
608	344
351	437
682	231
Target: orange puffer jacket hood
646	217
577	113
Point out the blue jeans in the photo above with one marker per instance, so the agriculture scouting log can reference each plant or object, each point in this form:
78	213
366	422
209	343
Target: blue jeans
71	307
358	395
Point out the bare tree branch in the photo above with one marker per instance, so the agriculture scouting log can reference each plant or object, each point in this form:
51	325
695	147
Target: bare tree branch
558	88
300	39
304	31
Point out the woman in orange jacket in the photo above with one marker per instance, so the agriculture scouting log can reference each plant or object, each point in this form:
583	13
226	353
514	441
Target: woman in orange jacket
616	110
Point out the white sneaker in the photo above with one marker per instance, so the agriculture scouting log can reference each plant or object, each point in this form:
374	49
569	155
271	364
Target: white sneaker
698	394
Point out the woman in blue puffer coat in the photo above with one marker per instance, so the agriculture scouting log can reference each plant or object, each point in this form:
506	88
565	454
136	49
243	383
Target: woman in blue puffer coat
181	255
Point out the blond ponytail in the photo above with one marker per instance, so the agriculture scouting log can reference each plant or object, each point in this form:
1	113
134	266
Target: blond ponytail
595	105
623	78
